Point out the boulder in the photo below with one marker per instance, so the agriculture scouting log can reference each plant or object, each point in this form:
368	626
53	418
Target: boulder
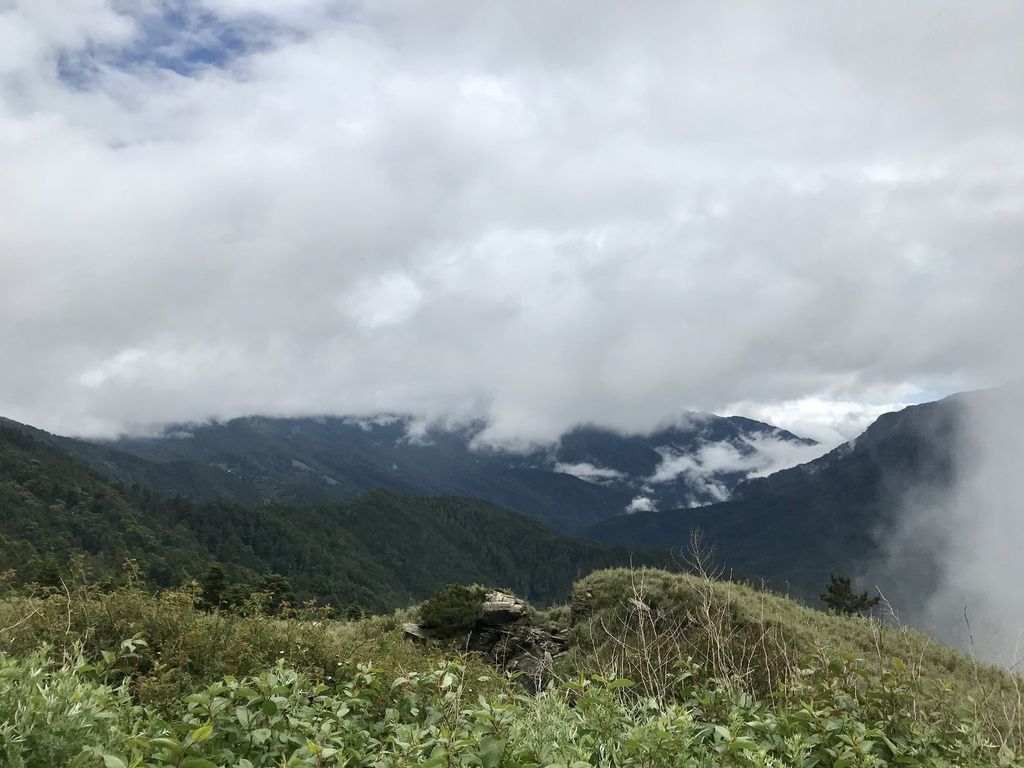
581	607
521	648
500	608
503	635
415	632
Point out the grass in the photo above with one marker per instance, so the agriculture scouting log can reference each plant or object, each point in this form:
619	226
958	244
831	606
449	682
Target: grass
645	623
664	669
177	648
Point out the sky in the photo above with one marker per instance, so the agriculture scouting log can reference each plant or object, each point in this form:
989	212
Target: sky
542	214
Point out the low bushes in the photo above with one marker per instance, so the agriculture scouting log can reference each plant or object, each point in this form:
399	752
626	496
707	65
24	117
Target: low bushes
453	610
64	714
183	648
664	671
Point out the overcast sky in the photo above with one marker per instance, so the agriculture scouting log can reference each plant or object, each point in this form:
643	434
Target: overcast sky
545	213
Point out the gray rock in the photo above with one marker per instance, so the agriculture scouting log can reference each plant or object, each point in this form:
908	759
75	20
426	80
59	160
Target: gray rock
504	637
415	632
500	608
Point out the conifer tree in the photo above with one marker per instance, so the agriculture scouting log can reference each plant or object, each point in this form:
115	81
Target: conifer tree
214	584
840	597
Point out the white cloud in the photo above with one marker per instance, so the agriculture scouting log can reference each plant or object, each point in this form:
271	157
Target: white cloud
369	423
757	456
700	476
545	218
118	366
390	299
589	472
640	504
773	455
830	422
675	464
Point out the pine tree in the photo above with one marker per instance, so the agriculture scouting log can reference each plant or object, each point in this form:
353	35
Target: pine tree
840	597
48	573
214	584
278	591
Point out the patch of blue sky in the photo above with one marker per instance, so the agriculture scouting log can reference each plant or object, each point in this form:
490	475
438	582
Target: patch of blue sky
180	37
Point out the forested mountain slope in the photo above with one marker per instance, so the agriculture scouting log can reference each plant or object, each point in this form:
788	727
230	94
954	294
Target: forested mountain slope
588	475
380	550
797	526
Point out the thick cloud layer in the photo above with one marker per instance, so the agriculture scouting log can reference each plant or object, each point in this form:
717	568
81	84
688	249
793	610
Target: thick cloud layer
953	555
541	214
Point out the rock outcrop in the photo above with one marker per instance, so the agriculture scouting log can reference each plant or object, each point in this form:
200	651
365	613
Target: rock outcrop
501	608
504	636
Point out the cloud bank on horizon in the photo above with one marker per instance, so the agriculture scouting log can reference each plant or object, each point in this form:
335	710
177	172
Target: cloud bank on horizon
543	215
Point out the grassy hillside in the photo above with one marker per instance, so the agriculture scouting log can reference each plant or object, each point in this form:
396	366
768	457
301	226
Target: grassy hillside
663	671
760	637
380	551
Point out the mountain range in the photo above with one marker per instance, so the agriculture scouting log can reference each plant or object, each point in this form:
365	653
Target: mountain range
343	503
589	474
833	514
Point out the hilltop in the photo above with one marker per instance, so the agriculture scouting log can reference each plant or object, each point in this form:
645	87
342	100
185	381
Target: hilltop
661	670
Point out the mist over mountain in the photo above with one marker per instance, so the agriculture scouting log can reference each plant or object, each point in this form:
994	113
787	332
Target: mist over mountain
907	507
954	548
923	506
798	525
588	475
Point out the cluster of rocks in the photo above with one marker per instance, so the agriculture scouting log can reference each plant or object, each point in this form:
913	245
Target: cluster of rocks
504	636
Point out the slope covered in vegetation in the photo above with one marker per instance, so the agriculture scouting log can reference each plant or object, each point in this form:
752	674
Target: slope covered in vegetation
587	475
795	527
379	551
663	670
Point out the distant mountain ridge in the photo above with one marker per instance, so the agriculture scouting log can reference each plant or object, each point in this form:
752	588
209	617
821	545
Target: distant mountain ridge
845	512
590	474
832	514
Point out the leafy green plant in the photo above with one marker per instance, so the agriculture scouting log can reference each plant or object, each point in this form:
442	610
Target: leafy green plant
836	713
132	680
52	714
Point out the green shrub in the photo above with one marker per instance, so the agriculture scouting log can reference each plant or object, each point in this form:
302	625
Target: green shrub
52	713
840	598
453	610
203	690
839	715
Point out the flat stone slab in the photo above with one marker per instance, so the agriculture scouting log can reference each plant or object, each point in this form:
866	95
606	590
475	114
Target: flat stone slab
501	608
415	631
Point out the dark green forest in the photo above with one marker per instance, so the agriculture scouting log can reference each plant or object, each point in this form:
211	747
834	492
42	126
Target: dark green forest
59	519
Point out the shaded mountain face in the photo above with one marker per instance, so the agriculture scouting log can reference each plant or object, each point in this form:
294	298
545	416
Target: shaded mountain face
590	474
833	514
381	550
